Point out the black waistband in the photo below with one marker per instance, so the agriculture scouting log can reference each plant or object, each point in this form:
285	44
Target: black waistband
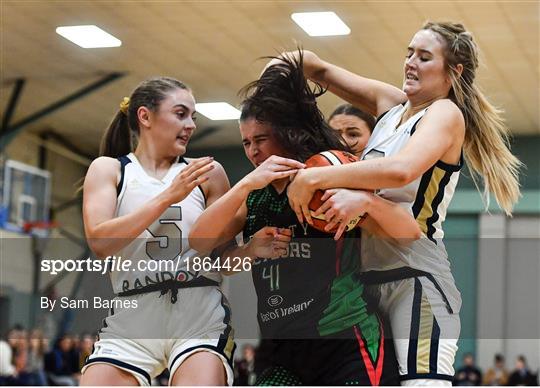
392	275
170	285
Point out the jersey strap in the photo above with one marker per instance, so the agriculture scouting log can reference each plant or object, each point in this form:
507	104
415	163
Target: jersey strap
170	285
124	160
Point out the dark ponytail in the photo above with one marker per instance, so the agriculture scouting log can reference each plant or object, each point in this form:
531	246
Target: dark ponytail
282	98
117	139
123	131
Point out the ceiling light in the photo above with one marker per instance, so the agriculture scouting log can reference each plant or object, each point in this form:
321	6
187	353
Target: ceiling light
218	111
321	23
88	36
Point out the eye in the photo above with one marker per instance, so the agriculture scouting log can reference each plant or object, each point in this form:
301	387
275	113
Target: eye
181	114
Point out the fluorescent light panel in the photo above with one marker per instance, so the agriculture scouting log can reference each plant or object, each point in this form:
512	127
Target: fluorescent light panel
321	23
88	36
218	110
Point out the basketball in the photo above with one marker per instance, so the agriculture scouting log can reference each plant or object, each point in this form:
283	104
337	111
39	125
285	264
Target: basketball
328	158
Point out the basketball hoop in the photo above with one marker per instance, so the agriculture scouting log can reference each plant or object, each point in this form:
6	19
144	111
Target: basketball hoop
39	228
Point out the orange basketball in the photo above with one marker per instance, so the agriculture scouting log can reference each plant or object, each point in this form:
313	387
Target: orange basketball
327	158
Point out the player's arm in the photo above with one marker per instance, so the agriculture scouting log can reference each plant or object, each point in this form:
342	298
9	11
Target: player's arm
383	218
438	136
372	96
225	217
107	234
269	242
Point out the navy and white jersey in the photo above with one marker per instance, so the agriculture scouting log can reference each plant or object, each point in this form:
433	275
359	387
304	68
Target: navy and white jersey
161	252
427	198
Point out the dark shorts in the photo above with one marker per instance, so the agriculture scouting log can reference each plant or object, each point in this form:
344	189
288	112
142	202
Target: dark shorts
344	359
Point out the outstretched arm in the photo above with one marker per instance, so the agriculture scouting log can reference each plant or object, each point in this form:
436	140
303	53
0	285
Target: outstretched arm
372	96
439	136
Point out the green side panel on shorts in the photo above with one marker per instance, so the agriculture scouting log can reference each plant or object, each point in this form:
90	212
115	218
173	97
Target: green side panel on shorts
347	306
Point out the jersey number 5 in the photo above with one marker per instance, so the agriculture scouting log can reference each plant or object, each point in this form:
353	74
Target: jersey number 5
169	245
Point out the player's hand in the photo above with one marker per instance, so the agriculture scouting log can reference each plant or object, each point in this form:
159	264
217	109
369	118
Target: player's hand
300	192
269	242
273	168
189	178
311	62
341	206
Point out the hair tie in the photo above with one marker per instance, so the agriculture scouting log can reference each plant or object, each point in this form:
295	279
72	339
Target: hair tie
124	105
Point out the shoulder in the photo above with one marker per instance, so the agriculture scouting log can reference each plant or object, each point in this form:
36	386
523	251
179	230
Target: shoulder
217	183
104	166
447	109
444	115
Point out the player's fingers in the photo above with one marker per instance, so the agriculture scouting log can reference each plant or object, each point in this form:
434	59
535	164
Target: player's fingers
282	237
287	163
340	231
284	174
201	170
285	231
197	163
323	208
328	193
297	210
307	214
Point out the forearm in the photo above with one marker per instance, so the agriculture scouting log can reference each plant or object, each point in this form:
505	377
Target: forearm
372	96
108	237
368	175
239	253
211	228
394	220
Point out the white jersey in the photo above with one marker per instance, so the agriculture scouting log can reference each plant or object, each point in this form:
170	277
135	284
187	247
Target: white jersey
162	251
427	198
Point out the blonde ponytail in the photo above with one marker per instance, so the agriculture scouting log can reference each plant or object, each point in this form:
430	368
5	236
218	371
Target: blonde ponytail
486	147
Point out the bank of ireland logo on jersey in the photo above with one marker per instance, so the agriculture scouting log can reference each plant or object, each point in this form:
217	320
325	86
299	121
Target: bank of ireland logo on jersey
274	300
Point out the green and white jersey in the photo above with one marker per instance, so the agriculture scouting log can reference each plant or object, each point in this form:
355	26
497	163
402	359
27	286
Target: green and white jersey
314	289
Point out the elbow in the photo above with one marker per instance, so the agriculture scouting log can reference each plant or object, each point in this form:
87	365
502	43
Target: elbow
400	175
412	235
97	248
416	234
200	244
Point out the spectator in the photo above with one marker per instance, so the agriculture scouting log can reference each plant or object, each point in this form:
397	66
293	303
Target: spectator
522	375
16	337
7	370
85	348
36	358
468	374
244	369
61	365
497	375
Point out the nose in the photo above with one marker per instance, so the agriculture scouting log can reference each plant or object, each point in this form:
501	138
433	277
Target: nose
190	125
410	62
252	151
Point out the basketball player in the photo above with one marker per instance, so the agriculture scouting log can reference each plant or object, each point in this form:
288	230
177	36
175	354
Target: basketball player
140	206
414	156
353	125
311	308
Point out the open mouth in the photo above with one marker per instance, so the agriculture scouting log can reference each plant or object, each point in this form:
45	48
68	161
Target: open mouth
411	76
